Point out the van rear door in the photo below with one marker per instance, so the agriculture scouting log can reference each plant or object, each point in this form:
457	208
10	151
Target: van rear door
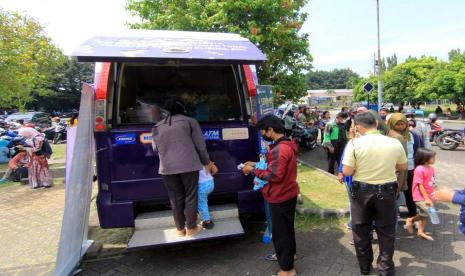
203	69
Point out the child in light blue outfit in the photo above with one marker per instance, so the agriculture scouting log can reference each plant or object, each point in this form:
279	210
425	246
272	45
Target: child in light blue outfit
261	165
206	186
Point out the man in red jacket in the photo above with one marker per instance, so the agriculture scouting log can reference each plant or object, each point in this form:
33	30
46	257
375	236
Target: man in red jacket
281	191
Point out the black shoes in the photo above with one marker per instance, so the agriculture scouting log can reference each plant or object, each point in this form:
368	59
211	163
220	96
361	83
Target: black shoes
365	269
208	224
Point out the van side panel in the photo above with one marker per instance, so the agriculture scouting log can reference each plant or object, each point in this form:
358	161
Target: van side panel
111	214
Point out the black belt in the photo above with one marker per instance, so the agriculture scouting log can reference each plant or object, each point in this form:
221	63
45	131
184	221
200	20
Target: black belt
381	189
375	187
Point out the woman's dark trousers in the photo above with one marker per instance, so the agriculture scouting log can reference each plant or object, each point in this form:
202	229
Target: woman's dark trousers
182	191
412	208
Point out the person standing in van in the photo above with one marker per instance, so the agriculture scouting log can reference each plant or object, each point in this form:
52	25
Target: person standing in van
181	148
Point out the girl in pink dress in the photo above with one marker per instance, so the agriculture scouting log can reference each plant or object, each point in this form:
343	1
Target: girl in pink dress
422	190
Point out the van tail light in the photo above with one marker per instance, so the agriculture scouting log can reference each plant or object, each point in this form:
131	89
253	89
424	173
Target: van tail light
100	106
251	86
102	71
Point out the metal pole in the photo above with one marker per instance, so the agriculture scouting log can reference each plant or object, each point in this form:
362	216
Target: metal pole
380	84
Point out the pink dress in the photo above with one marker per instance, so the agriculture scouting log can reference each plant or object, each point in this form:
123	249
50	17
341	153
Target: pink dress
39	175
423	175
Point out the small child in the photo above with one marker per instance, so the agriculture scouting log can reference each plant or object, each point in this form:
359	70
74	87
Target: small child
422	190
206	186
19	161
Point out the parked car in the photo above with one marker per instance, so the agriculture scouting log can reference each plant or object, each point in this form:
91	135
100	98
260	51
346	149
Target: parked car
37	118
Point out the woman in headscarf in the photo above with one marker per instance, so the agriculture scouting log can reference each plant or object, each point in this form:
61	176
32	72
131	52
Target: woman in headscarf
38	173
399	129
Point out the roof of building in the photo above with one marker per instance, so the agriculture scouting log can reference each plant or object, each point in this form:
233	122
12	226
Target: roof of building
324	93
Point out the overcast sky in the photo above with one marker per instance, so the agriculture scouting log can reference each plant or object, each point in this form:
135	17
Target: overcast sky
342	32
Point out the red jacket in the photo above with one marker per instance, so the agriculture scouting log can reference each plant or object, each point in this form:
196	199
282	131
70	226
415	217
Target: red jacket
281	173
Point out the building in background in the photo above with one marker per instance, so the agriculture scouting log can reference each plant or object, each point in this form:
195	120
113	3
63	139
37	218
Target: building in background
329	97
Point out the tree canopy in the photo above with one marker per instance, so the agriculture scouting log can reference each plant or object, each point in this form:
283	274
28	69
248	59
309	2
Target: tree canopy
273	25
28	60
334	79
66	86
417	80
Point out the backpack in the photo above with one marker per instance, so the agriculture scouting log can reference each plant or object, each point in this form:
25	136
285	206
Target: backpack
46	149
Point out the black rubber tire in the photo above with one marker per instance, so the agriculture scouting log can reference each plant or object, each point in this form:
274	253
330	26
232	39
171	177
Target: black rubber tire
442	145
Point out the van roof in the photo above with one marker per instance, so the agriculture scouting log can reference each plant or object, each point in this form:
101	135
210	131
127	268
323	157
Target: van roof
170	47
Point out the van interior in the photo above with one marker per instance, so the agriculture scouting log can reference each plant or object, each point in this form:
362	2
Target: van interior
209	93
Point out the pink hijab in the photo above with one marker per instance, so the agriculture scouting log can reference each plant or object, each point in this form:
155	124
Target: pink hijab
362	109
28	132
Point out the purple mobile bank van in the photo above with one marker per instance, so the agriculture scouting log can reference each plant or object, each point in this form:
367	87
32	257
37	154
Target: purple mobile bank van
136	71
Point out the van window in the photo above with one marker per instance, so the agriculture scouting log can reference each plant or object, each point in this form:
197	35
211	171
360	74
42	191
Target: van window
208	92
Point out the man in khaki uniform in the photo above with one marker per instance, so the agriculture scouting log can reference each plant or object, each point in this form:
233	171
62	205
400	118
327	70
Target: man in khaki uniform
373	160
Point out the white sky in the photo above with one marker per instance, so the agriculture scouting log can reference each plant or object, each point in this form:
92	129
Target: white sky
71	22
342	32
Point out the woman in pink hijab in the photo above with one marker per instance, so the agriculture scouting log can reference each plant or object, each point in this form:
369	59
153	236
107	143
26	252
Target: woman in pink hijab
39	175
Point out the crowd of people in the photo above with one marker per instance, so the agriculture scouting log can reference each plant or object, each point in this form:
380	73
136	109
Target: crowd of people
30	159
381	155
26	149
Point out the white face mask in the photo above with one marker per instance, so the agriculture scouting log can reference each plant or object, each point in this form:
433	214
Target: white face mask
343	121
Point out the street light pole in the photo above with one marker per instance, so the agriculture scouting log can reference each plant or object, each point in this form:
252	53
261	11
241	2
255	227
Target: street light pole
380	84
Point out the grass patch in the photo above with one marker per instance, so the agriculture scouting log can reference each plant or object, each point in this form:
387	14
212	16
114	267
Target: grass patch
59	151
319	190
309	223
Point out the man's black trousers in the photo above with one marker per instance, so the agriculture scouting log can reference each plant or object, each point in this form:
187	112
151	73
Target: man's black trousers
335	157
375	203
282	228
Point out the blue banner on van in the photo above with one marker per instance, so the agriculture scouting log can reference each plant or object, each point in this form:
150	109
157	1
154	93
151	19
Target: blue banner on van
264	100
125	138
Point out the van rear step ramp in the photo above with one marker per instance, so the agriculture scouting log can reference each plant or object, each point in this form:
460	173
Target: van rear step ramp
158	228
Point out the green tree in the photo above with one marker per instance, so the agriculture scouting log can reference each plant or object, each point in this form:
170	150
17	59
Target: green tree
406	82
391	62
359	94
334	79
28	60
456	54
273	25
66	86
448	81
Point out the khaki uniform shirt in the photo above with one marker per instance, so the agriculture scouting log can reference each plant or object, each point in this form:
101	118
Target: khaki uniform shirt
374	158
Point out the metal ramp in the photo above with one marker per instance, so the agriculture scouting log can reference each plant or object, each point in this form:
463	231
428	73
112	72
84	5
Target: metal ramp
158	228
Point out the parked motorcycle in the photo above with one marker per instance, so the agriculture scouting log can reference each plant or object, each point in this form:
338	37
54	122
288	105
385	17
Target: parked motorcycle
306	138
450	139
60	133
56	133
